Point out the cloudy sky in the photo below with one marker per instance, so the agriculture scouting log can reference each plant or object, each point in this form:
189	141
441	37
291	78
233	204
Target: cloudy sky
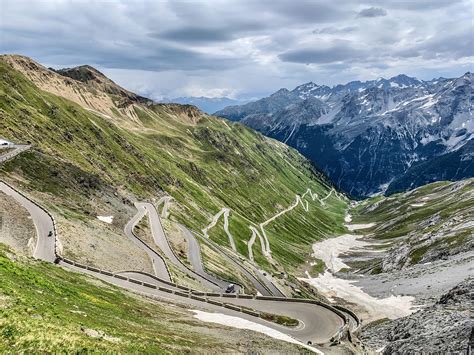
242	48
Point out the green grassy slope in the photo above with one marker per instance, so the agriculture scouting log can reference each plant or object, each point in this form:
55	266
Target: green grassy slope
44	308
425	224
80	159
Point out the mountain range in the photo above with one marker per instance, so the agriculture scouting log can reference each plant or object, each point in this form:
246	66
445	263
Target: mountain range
383	135
128	187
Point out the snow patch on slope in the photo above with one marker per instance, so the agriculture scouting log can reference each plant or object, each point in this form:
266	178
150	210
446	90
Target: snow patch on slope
4	142
241	323
106	219
329	250
390	307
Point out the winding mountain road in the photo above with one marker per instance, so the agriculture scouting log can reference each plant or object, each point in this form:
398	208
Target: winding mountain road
262	284
17	149
264	241
317	323
194	252
162	243
225	213
45	244
165	200
159	265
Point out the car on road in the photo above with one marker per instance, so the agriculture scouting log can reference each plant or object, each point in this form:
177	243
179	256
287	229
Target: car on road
50	234
230	288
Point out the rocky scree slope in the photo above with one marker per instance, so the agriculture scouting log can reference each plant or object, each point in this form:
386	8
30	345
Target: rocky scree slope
445	327
87	163
383	135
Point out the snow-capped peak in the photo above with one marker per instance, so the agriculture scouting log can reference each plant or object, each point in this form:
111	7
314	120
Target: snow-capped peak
312	89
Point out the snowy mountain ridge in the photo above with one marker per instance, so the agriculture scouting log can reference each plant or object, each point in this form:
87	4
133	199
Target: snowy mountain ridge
409	121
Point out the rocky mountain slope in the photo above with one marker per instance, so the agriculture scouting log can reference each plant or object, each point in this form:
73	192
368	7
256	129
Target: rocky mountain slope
419	244
443	328
381	135
99	148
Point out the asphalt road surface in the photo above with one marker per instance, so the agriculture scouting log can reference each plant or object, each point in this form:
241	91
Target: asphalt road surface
45	244
317	323
160	240
194	252
17	149
159	265
260	282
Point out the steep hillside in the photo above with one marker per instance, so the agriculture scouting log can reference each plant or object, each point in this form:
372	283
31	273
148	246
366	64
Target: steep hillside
373	136
454	164
421	226
44	308
83	85
260	201
86	164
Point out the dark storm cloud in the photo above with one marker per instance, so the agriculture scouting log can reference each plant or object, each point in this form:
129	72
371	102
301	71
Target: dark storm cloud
372	12
168	58
335	53
195	34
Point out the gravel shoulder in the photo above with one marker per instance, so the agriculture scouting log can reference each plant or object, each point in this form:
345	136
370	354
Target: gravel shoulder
16	226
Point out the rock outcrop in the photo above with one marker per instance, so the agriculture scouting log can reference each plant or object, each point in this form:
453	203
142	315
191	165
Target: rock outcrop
443	328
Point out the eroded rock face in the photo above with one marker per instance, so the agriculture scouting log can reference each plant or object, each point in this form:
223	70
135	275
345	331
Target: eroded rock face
445	327
382	135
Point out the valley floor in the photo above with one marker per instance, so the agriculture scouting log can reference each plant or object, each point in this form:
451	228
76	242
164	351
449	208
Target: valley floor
390	294
408	290
426	282
336	285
